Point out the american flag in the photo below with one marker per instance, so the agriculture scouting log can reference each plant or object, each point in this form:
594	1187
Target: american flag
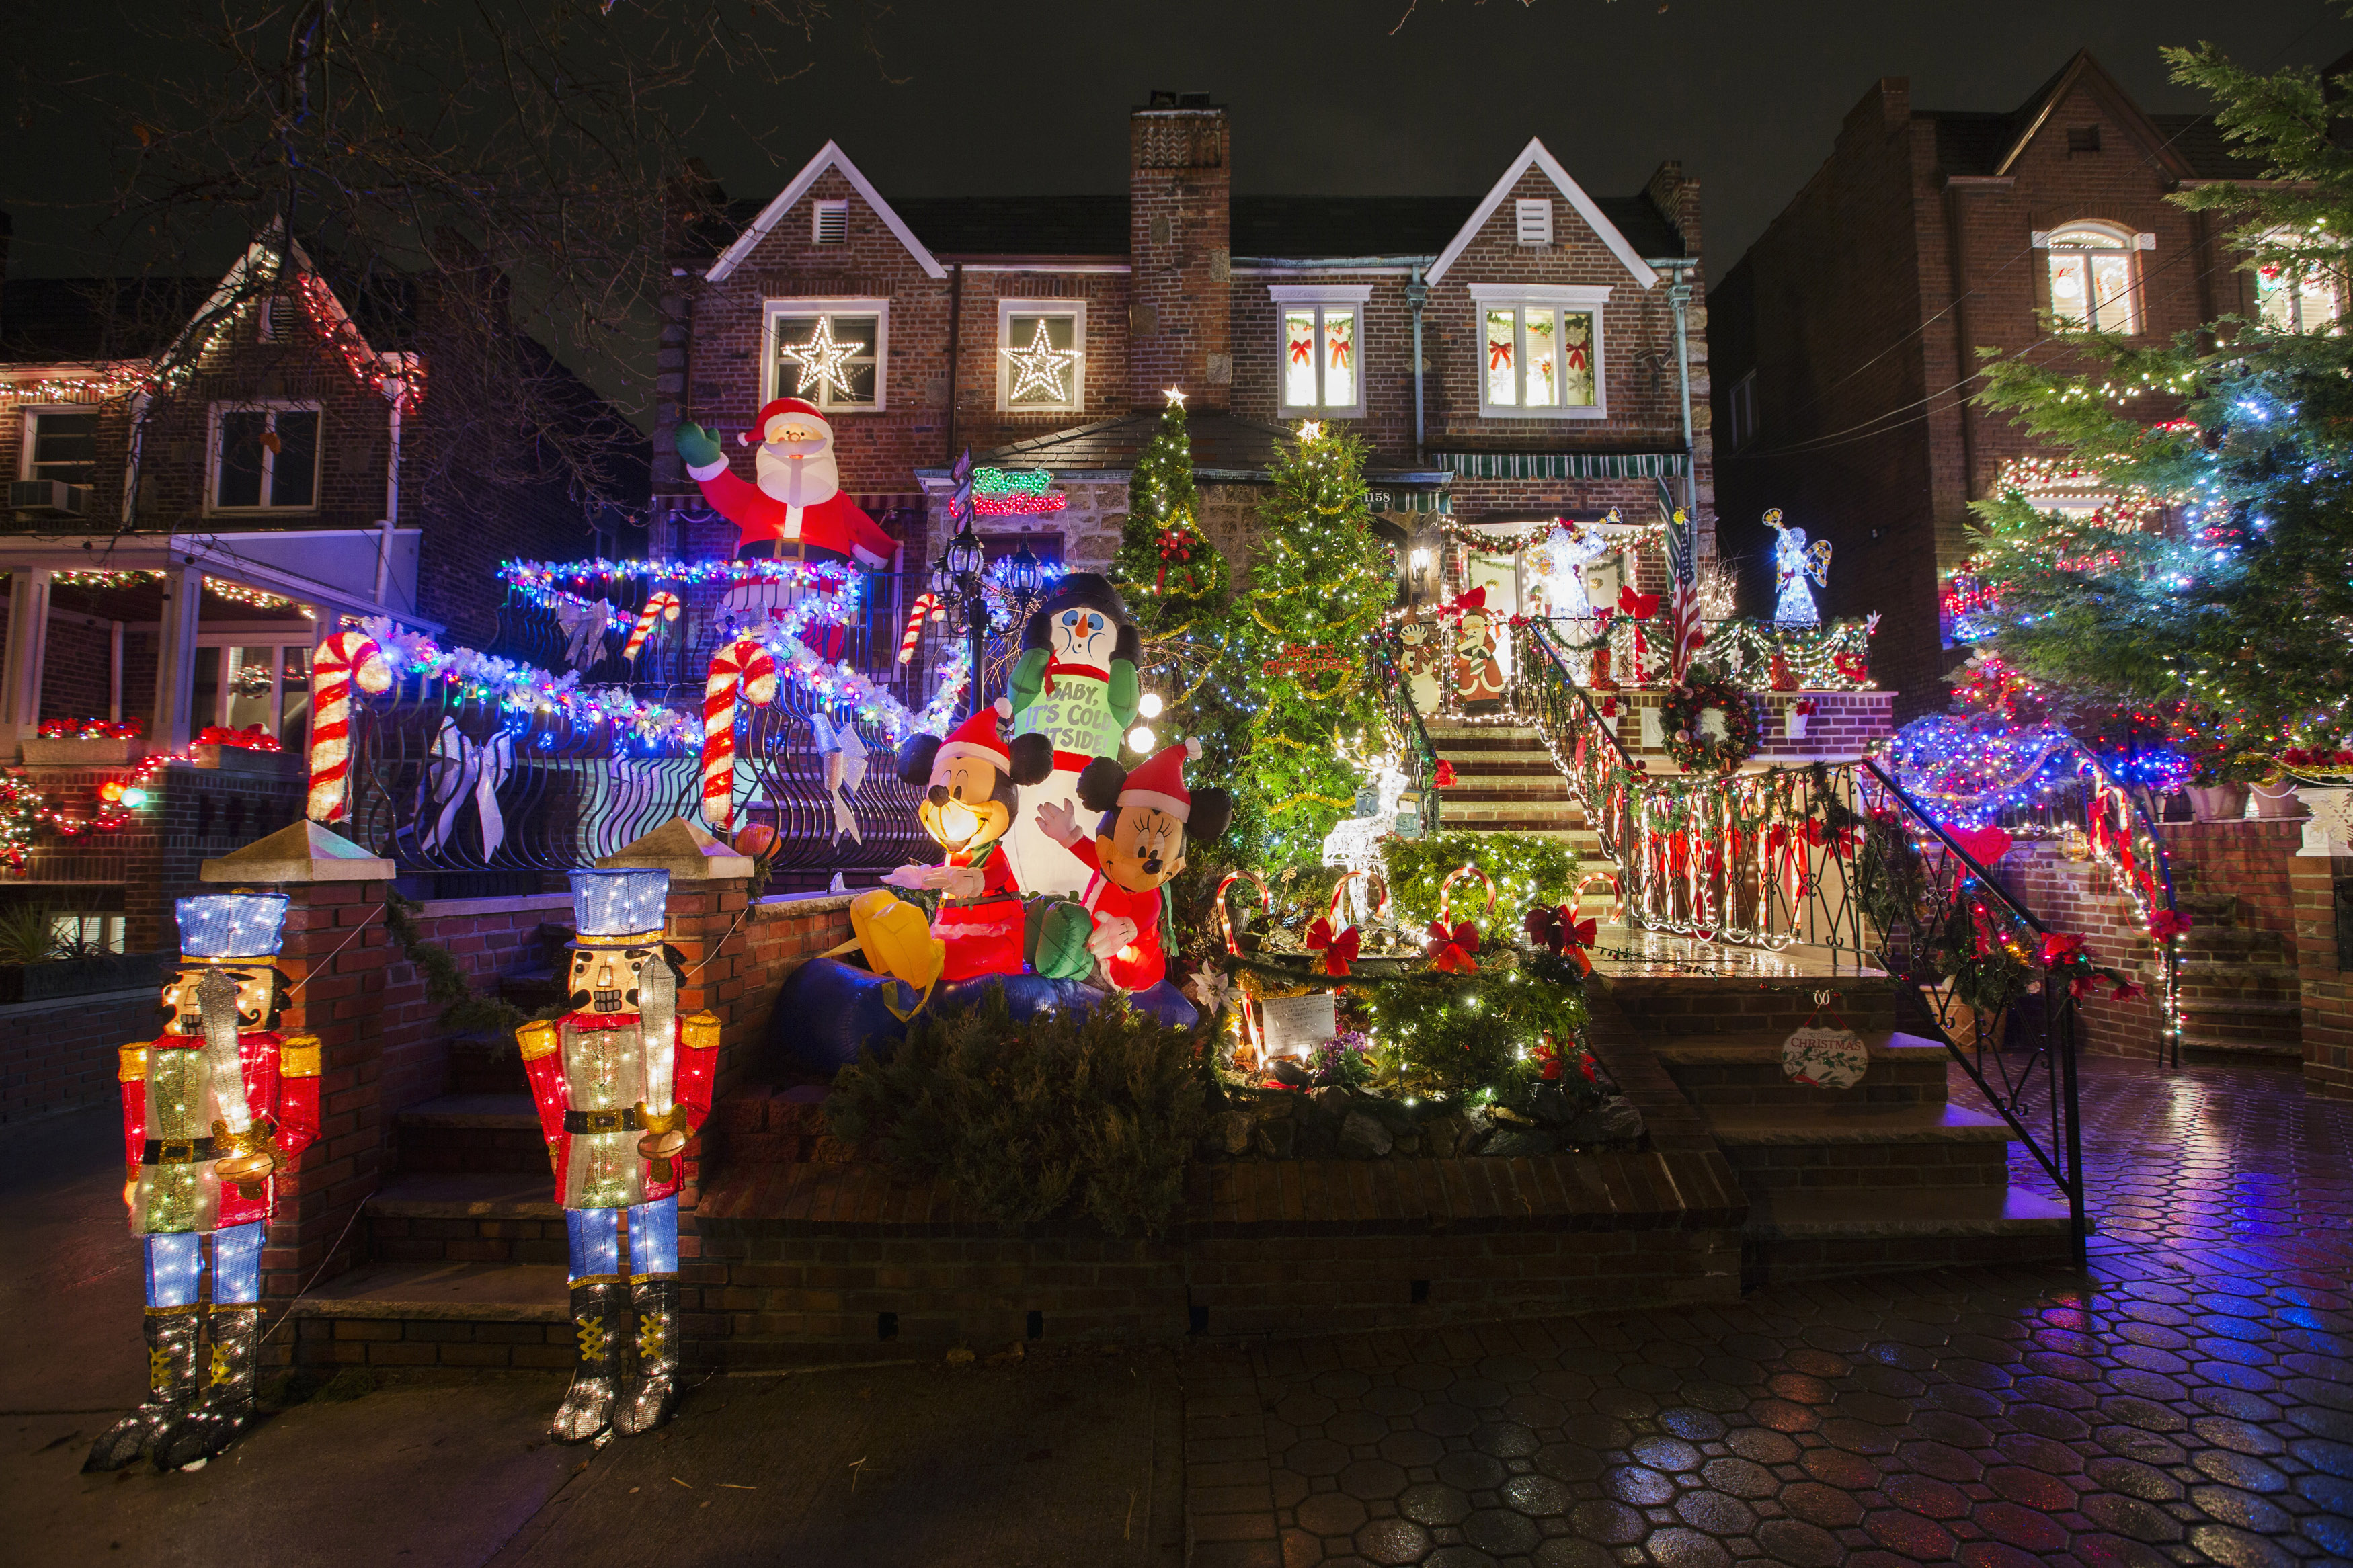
1683	600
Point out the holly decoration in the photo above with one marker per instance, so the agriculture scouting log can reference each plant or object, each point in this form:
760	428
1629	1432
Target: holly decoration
1708	723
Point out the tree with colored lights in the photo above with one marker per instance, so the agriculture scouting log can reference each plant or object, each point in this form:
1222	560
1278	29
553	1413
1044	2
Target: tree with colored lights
1166	569
2213	595
1301	635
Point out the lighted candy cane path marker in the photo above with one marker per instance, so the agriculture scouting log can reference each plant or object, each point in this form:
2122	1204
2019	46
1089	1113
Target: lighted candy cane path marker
341	659
746	669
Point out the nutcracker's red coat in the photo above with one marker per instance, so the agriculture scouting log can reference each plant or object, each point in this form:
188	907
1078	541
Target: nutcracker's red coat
291	1103
551	1091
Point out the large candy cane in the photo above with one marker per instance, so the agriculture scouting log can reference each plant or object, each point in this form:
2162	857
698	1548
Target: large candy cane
339	660
929	604
742	668
664	604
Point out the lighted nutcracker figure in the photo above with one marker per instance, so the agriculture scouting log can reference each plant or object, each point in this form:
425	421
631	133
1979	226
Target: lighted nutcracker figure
622	1084
1076	685
212	1109
1148	818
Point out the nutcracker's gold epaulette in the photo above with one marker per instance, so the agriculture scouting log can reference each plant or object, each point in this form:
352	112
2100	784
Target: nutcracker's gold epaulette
132	1066
538	1039
299	1057
699	1032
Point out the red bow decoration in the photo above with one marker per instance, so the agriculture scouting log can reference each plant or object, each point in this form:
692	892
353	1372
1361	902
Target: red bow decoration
2059	950
1983	845
2163	923
1637	606
1339	952
1450	950
1557	928
1175	545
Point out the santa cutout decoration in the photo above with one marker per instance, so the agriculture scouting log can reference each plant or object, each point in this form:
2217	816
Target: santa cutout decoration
1076	685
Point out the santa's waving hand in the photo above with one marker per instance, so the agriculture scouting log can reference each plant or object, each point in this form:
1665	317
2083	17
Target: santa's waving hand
797	509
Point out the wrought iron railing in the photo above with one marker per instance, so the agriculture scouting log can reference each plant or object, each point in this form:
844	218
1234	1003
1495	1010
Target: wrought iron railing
1421	757
1838	857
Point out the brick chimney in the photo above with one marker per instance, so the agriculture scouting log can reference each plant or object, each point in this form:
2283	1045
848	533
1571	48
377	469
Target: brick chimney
1180	190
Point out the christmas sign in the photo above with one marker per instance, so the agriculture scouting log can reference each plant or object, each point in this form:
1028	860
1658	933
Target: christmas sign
1825	1058
1307	658
1299	1025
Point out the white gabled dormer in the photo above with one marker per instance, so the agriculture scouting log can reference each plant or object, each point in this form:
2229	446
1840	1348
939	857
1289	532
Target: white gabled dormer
829	157
1525	225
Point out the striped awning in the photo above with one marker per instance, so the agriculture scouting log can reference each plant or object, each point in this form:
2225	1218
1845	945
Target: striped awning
1563	465
1410	500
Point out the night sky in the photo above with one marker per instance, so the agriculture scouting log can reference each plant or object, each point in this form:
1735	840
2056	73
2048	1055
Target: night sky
1325	97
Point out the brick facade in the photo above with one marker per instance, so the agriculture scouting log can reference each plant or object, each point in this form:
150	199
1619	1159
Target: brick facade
1861	311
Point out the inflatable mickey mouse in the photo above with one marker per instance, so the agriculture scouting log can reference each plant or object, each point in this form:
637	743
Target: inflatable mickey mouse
966	809
1139	842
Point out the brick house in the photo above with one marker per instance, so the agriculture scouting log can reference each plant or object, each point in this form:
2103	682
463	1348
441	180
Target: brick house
1845	340
1533	353
209	473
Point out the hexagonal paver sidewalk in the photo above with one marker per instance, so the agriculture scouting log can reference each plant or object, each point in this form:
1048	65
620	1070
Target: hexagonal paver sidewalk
2190	1401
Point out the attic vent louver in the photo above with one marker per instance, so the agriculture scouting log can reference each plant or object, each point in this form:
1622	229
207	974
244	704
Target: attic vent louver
1535	221
2083	139
832	222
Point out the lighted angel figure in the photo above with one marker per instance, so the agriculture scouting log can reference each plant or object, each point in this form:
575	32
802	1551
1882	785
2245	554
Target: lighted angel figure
1794	561
1557	568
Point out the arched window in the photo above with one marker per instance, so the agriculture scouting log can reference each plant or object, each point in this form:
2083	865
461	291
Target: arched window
2298	299
2092	279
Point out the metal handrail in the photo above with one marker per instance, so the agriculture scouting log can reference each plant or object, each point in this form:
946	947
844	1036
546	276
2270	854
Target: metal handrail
1398	699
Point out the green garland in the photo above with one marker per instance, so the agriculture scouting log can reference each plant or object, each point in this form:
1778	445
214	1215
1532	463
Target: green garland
1695	751
462	1012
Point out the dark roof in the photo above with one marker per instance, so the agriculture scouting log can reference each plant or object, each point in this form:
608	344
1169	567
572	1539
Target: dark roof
48	320
1973	142
1288	227
1222	444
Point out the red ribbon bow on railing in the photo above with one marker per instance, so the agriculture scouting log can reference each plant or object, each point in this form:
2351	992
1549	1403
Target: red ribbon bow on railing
1557	928
1637	606
1339	951
1450	950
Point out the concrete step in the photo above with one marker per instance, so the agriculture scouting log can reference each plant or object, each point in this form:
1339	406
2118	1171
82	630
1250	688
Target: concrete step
2218	1051
447	1315
1504	765
1864	1145
532	989
1745	1069
473	1216
467	1195
498	1132
1820	1234
1474	787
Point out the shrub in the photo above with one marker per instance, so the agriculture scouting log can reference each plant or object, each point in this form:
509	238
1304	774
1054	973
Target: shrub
1528	868
1092	1113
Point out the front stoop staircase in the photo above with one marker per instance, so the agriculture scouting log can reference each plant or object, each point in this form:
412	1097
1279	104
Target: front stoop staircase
1504	782
1885	1175
462	1245
2241	996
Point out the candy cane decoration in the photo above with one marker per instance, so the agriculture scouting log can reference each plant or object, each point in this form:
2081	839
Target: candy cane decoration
664	603
339	660
742	668
929	604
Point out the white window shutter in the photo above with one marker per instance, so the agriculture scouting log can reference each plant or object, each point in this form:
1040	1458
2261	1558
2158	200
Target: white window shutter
1535	217
2144	242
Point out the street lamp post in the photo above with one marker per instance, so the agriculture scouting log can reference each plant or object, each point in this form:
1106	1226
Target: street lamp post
957	578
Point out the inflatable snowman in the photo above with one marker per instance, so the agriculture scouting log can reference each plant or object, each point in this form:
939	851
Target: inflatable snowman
1076	685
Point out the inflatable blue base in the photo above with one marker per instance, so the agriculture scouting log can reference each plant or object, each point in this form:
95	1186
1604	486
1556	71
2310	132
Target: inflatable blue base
829	1011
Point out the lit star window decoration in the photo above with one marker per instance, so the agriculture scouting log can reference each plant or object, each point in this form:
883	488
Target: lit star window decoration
1040	367
821	359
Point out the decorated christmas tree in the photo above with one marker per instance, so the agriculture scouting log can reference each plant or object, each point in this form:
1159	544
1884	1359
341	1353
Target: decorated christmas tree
1166	570
1301	645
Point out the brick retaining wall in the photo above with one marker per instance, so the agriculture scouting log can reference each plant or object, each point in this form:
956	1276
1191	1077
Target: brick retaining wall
60	1055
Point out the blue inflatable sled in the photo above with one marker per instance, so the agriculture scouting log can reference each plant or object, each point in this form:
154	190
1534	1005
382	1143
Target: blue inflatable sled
830	1010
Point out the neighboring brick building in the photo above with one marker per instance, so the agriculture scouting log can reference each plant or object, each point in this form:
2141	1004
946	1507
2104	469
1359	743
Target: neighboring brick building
1374	312
1846	341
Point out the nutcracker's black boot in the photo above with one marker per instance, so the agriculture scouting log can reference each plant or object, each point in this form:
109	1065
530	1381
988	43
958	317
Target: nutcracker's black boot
227	1406
653	1391
170	1391
587	1407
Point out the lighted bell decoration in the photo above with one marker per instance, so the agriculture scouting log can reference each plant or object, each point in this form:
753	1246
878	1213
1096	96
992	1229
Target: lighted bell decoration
610	905
232	925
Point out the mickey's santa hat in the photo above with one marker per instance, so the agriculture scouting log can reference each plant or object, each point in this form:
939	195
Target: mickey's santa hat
799	411
979	736
1159	784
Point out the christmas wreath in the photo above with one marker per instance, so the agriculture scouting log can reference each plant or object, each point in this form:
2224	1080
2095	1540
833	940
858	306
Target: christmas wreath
1708	723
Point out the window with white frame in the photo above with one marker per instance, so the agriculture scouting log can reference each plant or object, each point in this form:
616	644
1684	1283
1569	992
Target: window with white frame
245	678
61	443
2293	298
1540	351
829	352
1323	370
2092	277
1041	359
265	458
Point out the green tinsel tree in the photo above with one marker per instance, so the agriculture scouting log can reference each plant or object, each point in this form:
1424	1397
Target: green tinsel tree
2230	603
1166	569
1318	588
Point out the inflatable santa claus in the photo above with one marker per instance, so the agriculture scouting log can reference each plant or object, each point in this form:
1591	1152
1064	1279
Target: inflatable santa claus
796	510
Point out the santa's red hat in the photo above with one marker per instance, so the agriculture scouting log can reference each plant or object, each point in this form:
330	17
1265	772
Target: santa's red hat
1160	783
979	736
796	406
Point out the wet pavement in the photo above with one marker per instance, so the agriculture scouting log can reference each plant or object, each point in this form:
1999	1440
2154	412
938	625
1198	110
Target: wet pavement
2191	1402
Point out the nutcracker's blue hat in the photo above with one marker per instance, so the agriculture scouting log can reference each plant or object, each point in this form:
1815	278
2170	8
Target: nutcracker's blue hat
228	928
620	909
